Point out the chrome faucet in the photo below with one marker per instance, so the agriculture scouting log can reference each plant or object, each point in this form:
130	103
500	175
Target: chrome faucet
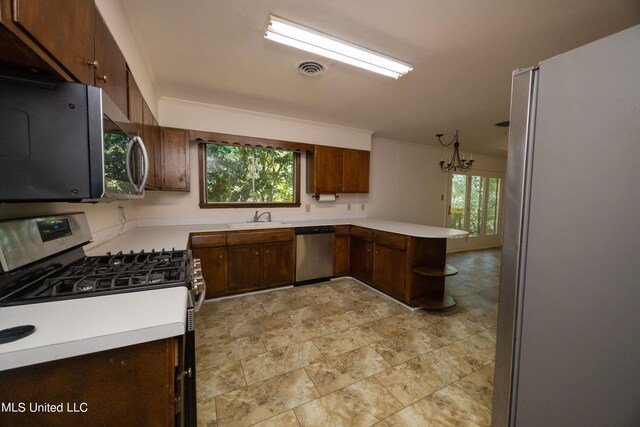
256	217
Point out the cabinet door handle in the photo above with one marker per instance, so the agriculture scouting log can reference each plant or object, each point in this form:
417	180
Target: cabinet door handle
95	64
377	252
103	78
257	253
266	251
220	256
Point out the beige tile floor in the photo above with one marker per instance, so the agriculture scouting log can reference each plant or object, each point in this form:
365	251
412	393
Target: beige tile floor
339	354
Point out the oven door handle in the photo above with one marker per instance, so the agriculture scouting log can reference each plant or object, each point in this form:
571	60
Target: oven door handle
202	295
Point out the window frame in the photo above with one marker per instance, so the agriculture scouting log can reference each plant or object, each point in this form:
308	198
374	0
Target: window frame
204	138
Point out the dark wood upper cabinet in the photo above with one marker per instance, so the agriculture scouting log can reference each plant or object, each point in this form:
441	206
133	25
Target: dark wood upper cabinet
337	170
167	148
135	102
152	141
74	35
142	118
110	67
64	29
355	171
157	157
324	170
175	159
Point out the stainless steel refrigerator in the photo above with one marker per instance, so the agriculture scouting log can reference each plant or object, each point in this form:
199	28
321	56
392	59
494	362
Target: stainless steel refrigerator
568	346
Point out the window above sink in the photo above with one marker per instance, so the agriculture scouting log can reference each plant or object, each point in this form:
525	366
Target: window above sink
239	171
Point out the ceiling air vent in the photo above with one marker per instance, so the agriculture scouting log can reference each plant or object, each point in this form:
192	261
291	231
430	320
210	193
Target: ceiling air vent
311	68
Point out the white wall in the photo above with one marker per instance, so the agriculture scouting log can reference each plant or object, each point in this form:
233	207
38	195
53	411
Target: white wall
215	118
163	207
103	218
407	184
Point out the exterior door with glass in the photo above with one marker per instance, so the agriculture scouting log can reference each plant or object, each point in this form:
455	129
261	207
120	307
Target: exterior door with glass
475	205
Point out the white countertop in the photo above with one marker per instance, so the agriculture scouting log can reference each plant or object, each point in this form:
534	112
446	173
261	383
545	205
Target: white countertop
86	325
176	236
408	229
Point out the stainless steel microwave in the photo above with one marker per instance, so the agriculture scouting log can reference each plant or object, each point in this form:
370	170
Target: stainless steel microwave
63	141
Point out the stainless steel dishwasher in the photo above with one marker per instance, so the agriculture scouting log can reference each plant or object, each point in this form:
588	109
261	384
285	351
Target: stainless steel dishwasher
314	253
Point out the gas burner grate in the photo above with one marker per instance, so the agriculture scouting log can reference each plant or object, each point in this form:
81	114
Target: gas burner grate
117	273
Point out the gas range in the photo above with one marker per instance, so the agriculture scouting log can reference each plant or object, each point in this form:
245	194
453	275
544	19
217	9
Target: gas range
101	275
42	261
49	264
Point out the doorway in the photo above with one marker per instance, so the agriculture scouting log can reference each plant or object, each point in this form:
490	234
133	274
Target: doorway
475	205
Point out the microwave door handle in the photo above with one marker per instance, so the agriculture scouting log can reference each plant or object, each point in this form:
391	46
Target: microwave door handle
145	164
127	164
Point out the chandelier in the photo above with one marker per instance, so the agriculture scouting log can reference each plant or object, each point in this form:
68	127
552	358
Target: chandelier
456	164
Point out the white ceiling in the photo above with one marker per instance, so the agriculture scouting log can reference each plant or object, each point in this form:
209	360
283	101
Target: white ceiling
462	51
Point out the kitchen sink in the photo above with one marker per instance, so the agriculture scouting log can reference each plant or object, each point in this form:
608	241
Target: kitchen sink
261	224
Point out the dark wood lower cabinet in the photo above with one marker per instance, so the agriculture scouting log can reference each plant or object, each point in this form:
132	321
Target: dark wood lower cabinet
278	264
361	259
214	269
341	250
410	269
389	269
131	386
341	256
245	267
242	261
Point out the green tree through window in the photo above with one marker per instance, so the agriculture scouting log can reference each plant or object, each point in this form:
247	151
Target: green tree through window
249	175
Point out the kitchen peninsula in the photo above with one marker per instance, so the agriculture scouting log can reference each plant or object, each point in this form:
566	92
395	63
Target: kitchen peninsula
405	261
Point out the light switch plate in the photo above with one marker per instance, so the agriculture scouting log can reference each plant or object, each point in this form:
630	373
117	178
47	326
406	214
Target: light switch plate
307	208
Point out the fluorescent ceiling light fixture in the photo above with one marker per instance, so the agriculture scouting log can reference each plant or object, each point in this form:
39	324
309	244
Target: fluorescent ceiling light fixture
294	35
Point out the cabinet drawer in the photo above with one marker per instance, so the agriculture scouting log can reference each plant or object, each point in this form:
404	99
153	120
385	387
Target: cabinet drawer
362	233
341	230
390	240
208	240
250	237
